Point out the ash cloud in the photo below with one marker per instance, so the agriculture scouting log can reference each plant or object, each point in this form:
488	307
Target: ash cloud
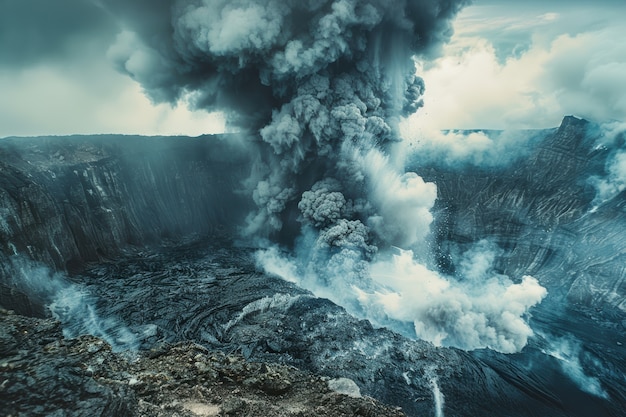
245	54
324	204
323	85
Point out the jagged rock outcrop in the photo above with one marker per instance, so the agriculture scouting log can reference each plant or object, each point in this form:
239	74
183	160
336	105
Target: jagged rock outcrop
112	191
539	210
44	374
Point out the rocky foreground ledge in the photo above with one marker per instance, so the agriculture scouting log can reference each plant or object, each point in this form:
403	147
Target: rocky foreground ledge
44	374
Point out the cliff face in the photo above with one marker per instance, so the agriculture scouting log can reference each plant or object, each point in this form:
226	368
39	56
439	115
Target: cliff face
539	211
69	200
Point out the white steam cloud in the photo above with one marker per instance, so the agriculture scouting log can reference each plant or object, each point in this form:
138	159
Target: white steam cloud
483	311
404	201
73	306
613	182
568	351
459	149
476	309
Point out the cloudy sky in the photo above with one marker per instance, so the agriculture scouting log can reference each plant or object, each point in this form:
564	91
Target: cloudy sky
527	64
509	64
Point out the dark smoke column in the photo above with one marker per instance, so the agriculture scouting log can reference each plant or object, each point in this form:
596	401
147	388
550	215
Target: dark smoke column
322	82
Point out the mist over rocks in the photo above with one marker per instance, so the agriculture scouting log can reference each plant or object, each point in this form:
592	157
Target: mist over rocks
67	201
542	211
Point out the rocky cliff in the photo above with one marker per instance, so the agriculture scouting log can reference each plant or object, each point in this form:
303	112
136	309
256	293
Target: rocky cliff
69	200
65	201
539	210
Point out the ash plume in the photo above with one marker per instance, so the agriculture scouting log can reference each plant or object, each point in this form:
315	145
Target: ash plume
323	85
322	82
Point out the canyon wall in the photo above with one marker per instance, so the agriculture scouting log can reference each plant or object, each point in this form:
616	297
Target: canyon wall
539	210
65	201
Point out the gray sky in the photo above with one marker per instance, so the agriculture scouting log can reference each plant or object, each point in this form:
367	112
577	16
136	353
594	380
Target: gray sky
56	76
522	64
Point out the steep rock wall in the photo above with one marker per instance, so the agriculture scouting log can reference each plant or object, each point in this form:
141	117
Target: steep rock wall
65	201
539	210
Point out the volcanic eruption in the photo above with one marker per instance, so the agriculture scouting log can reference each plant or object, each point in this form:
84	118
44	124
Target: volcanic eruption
323	85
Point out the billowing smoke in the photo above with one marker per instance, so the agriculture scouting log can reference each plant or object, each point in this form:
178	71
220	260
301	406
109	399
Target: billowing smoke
323	85
323	82
460	149
476	308
612	138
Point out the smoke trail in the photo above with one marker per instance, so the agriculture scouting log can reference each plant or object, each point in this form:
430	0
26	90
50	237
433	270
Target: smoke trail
323	84
568	351
438	396
73	306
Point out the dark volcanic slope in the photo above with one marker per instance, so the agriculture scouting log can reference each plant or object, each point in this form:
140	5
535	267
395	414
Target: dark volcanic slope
212	294
96	207
44	374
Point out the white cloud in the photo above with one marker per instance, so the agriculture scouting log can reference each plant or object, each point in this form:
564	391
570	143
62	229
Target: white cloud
526	70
